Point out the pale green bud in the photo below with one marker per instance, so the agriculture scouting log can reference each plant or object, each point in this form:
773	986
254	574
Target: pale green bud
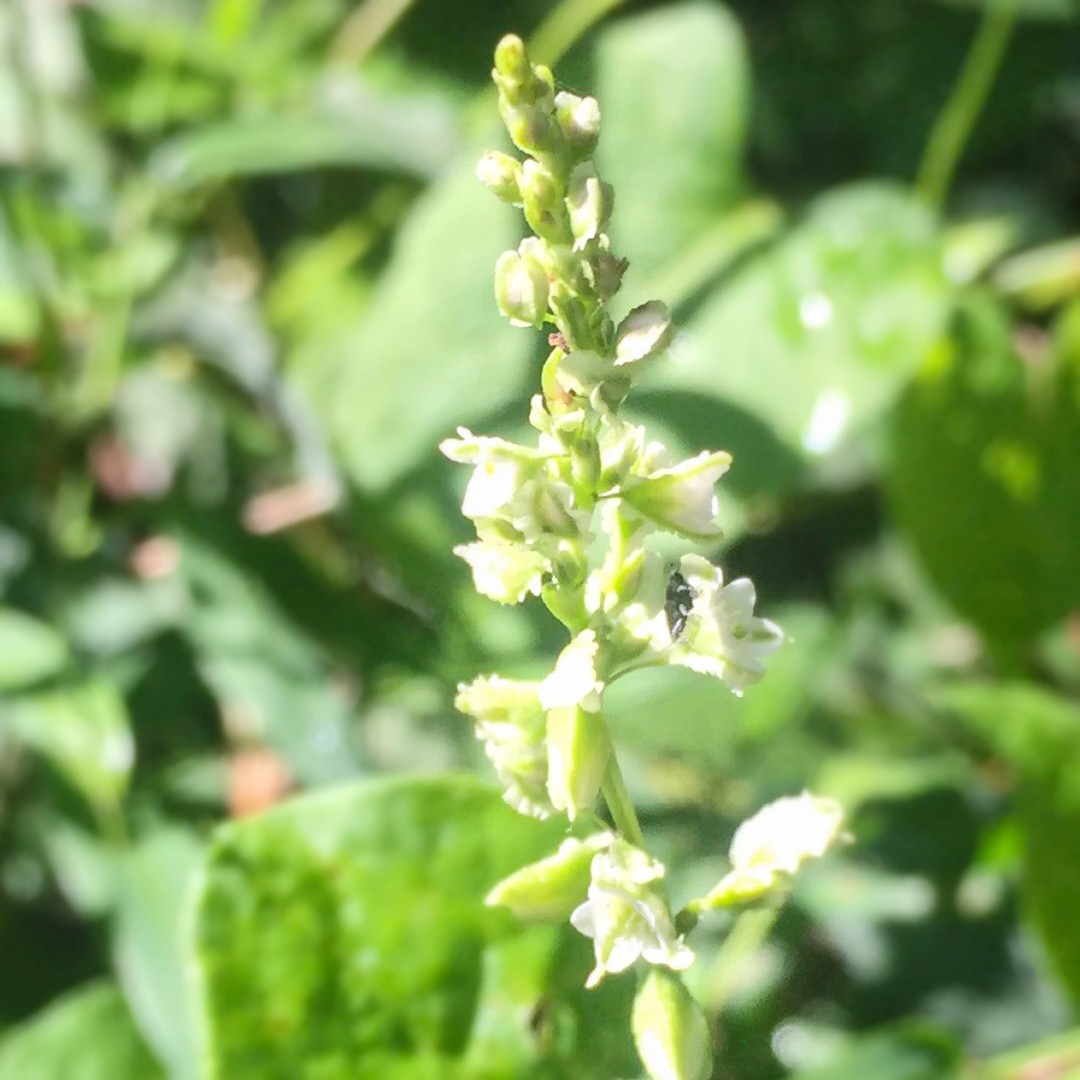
542	196
579	118
512	66
589	201
552	887
501	174
670	1030
521	289
770	847
644	333
579	747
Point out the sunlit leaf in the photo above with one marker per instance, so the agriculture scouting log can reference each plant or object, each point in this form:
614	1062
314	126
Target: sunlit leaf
29	650
84	731
87	1035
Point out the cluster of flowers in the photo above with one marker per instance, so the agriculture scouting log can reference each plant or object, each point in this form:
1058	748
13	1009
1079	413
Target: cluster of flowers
536	510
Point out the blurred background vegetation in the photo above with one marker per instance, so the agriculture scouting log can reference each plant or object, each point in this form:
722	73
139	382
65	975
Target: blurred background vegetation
245	287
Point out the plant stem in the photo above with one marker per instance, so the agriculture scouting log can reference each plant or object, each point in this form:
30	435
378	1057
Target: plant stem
565	25
619	803
746	937
954	125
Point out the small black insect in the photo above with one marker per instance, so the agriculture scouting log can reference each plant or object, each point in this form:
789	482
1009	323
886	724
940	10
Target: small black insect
678	603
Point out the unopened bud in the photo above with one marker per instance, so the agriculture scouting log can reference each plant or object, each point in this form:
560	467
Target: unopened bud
670	1031
501	174
552	887
579	118
521	289
588	201
579	746
542	196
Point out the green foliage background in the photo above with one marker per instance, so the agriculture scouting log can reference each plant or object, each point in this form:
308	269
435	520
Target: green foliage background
245	287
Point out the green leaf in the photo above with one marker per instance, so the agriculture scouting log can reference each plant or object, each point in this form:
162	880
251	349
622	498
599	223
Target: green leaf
673	88
985	475
911	1054
29	650
84	731
416	138
433	351
344	934
148	945
838	313
87	1035
1038	733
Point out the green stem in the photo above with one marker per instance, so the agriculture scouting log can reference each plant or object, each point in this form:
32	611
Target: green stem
553	38
746	937
954	125
621	806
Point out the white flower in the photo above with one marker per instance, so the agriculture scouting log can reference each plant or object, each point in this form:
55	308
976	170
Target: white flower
574	681
625	916
512	726
723	637
681	498
503	571
773	844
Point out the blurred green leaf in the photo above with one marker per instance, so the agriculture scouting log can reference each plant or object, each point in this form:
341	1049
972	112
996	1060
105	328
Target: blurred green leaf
913	1054
1038	734
352	127
985	475
673	85
87	1035
345	933
838	313
29	650
84	731
433	351
148	945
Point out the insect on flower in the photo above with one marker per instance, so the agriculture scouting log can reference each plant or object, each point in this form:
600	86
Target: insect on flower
678	603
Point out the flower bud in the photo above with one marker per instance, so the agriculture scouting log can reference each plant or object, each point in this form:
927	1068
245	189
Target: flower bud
504	572
670	1030
552	887
511	62
521	289
501	174
645	332
579	746
542	196
588	200
579	118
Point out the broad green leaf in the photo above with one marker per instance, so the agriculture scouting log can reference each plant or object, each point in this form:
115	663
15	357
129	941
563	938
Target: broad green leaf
1038	734
838	313
985	475
29	650
84	731
673	87
911	1054
433	351
416	138
344	934
148	945
87	1035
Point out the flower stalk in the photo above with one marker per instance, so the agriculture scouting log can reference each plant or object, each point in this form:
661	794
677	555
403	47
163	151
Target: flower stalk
571	519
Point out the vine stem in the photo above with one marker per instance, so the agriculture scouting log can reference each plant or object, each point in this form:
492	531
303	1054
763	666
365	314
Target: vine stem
746	937
621	806
957	119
